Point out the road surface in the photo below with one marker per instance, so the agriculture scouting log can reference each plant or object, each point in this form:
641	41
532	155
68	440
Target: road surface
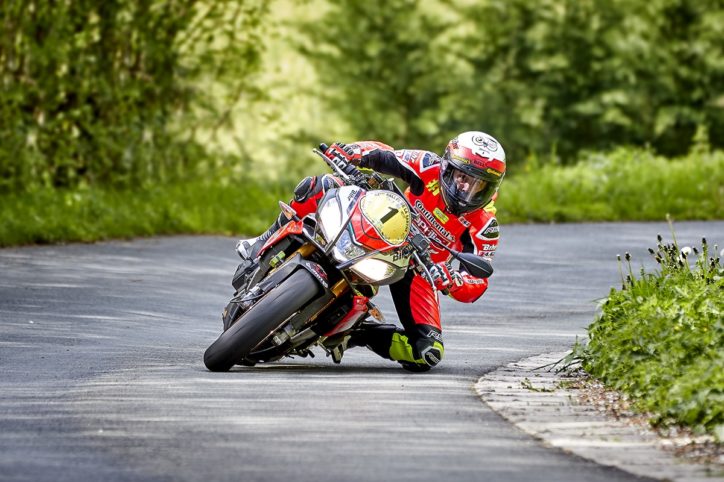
102	376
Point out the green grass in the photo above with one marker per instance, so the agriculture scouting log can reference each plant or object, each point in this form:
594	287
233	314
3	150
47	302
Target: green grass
660	339
624	185
92	214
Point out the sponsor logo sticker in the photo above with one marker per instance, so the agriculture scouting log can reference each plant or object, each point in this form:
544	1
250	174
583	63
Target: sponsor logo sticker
440	215
491	230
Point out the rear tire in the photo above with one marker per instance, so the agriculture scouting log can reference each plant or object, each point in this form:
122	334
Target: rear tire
260	321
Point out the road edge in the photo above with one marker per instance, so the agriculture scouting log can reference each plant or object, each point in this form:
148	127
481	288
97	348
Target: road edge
543	403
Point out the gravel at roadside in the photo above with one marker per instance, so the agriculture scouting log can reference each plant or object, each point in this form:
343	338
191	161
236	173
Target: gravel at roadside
581	418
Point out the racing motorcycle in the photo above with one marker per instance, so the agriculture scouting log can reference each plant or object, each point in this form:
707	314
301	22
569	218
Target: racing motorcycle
313	279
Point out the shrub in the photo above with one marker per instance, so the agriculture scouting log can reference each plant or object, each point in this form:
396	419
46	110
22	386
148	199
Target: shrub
660	339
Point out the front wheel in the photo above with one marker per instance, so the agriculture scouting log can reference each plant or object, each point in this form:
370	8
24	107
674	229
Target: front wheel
260	321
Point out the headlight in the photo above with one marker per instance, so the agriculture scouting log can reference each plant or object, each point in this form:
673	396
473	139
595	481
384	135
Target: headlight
330	218
374	270
345	249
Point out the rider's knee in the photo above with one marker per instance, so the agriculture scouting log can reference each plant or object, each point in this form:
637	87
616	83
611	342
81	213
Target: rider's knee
429	346
305	189
309	187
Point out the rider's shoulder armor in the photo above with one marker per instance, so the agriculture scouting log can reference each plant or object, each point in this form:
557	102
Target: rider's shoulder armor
419	161
484	230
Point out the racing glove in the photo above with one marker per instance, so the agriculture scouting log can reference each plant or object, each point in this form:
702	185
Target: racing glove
350	153
445	278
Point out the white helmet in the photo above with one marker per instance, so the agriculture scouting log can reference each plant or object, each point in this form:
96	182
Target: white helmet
472	169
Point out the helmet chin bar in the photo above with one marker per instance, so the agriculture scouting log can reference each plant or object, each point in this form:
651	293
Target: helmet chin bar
454	205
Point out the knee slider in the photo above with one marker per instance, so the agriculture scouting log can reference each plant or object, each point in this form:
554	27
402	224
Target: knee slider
432	355
429	347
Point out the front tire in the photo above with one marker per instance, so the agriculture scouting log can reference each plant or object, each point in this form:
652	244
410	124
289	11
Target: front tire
261	320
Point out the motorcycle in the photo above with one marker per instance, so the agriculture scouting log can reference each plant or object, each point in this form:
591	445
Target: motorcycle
313	279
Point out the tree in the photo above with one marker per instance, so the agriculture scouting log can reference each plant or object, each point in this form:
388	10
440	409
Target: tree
103	92
385	67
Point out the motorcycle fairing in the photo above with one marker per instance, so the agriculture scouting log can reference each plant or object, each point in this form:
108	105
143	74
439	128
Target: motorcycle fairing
292	227
388	214
358	310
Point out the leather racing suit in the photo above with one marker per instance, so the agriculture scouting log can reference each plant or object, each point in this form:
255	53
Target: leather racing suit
419	346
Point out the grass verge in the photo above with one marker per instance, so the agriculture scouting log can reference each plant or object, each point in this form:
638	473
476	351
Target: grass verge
623	185
92	214
660	339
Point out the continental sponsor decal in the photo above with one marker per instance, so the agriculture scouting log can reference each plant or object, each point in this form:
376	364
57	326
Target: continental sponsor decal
428	221
493	172
461	159
440	215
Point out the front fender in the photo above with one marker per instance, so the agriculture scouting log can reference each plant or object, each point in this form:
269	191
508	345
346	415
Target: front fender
293	264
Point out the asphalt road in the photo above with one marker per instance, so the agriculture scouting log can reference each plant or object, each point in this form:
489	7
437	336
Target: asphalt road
101	372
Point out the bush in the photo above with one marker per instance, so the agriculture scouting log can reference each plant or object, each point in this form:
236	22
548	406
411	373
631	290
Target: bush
107	92
96	213
660	339
549	76
623	185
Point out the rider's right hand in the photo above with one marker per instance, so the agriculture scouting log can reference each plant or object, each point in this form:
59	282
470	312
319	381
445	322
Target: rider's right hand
350	153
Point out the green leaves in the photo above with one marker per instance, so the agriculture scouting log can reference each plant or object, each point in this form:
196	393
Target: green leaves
95	213
107	92
661	340
624	184
548	76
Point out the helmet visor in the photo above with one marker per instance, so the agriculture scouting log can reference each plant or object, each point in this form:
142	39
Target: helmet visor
466	189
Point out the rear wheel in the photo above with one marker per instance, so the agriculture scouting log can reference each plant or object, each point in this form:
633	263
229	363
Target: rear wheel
260	321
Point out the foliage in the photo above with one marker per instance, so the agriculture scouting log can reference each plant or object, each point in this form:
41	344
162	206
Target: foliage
95	213
385	67
622	185
602	187
554	76
107	92
660	339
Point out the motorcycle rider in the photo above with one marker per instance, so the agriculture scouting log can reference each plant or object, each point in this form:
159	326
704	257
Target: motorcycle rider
454	195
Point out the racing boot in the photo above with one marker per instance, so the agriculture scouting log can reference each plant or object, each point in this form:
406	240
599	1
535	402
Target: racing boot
374	335
248	249
360	336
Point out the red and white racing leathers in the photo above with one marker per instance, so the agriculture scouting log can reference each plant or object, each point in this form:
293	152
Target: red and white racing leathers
420	344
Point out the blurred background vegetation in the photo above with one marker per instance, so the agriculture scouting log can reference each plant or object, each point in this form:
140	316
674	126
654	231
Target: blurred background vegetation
130	96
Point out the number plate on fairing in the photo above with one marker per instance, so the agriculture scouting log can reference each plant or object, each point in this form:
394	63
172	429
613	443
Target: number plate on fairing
388	213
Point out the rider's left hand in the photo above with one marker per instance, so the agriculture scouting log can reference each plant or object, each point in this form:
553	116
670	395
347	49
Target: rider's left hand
445	278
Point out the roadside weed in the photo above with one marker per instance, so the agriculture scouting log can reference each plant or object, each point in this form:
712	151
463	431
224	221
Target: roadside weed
660	339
